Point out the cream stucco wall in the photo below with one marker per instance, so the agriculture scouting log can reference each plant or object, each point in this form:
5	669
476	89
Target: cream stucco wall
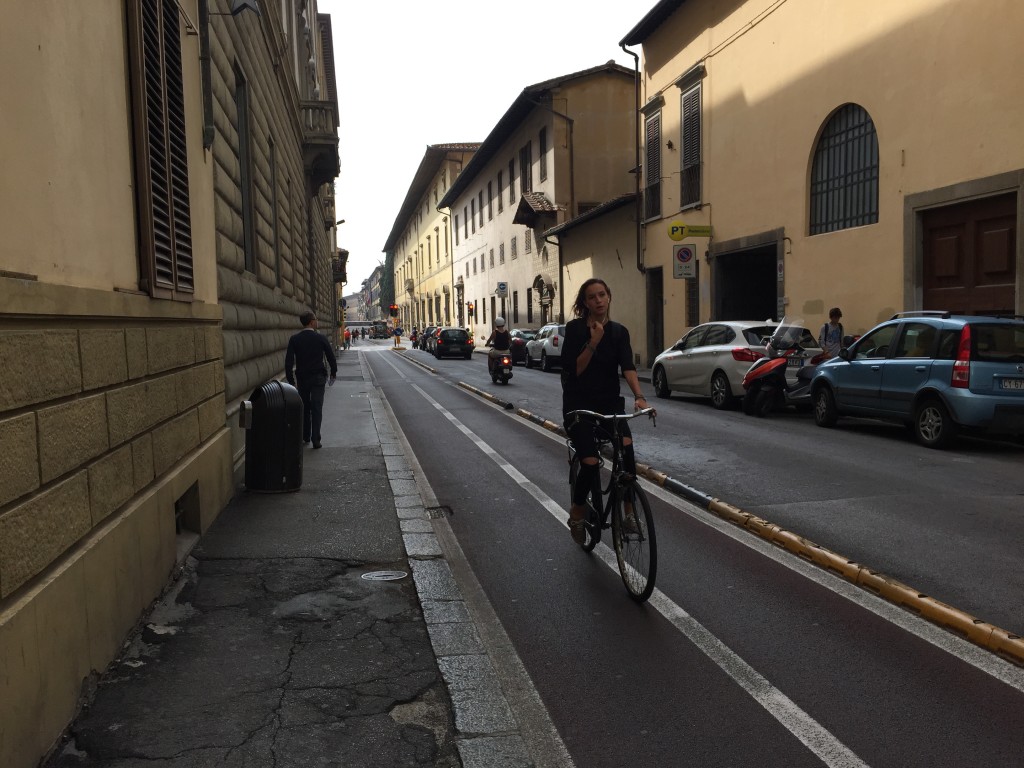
600	248
67	200
937	77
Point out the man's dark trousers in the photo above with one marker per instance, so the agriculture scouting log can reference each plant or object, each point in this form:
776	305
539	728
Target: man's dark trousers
311	390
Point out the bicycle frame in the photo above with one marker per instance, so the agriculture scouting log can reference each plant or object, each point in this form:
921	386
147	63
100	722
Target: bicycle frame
623	505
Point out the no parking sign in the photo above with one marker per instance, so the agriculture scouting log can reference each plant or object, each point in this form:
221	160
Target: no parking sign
684	260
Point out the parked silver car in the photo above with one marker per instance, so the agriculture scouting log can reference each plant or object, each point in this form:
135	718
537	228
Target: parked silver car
711	359
545	349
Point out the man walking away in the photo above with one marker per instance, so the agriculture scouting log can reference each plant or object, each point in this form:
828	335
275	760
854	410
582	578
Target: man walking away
830	337
306	352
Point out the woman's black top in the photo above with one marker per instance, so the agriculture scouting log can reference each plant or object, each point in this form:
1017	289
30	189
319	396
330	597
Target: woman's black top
597	388
501	339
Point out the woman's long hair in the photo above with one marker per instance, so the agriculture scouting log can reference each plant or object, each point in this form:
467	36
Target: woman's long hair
579	307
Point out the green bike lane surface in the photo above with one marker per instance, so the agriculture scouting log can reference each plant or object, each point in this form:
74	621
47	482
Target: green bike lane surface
622	684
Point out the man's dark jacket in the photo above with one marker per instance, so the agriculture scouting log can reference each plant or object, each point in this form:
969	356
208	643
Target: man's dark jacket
306	352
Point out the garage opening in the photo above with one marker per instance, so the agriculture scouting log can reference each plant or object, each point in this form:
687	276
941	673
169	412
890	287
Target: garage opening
746	285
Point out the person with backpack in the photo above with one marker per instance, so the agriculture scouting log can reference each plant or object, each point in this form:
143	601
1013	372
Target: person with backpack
830	337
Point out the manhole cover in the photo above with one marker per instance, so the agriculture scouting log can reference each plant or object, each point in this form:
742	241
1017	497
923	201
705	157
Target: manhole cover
384	575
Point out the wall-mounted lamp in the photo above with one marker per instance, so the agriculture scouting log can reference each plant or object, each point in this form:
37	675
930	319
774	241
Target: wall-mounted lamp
339	221
237	6
669	144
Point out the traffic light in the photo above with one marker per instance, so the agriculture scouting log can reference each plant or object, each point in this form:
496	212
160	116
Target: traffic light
470	309
394	310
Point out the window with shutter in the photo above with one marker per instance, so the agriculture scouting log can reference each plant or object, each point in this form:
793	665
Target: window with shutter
543	140
158	113
526	168
652	170
690	142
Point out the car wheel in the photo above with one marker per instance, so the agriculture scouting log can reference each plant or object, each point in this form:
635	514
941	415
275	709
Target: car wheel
825	412
545	363
721	392
933	426
661	388
529	360
468	355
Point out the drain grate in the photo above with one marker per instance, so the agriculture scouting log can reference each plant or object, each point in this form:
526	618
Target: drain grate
433	513
384	575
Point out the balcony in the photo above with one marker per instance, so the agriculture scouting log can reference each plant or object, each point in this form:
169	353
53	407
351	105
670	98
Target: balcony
320	141
338	271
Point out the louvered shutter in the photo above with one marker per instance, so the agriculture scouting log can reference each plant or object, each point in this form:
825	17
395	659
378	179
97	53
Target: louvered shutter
691	148
165	217
652	191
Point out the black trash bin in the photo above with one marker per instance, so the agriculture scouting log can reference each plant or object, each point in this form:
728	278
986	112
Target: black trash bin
272	418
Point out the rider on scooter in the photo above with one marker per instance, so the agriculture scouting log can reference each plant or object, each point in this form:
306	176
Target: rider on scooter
500	342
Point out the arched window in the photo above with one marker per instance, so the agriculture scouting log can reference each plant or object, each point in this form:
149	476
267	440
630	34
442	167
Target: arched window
844	176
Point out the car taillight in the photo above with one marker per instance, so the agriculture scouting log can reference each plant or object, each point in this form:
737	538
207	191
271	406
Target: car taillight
962	366
554	341
440	341
745	354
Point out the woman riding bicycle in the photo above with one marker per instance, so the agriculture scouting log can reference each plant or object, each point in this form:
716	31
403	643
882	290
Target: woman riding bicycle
594	351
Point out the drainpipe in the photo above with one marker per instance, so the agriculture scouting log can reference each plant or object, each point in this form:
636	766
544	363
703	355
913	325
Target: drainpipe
636	168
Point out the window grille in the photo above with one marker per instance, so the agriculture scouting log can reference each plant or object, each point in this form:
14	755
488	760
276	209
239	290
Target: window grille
501	253
501	196
514	254
511	182
844	175
490	201
527	241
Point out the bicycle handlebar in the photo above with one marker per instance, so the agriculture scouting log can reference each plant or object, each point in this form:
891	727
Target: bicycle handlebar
613	416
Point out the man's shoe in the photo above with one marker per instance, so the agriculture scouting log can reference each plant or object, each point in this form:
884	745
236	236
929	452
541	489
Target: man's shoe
305	442
316	444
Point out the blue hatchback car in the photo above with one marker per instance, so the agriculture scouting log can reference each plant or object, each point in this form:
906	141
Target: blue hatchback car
937	372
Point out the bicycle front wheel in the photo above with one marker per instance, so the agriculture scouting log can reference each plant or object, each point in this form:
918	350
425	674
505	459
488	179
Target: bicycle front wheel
635	544
593	524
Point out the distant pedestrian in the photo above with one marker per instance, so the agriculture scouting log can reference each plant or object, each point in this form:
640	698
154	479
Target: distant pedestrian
348	338
307	350
398	336
830	337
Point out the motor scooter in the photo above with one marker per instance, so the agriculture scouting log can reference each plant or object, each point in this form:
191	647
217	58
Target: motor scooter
766	383
499	365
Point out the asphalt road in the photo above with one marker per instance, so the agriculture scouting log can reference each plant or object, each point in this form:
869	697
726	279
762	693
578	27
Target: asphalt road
948	523
745	655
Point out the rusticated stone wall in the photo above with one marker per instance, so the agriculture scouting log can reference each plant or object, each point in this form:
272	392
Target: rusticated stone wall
91	412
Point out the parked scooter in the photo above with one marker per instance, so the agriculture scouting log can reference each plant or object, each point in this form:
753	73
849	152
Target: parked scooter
499	365
766	383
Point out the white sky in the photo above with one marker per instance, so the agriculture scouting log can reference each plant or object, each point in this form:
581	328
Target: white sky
413	73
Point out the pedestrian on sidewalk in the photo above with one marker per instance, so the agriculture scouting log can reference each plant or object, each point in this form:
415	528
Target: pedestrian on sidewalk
830	337
306	352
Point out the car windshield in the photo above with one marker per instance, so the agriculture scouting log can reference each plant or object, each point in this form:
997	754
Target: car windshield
456	335
998	342
527	335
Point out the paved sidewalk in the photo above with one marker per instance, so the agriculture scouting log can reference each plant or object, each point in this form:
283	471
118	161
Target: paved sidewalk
273	648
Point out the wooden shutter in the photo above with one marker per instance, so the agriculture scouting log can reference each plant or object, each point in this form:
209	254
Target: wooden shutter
691	147
158	104
652	190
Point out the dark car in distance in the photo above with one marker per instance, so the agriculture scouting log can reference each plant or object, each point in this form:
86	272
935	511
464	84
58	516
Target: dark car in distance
421	339
518	346
452	342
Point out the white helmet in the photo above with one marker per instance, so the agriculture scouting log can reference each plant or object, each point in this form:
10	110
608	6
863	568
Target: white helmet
499	322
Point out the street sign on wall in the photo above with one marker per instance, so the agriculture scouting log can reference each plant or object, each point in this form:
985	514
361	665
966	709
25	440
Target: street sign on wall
502	291
684	260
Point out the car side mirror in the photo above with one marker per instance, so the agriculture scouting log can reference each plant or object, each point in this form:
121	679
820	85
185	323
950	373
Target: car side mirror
844	353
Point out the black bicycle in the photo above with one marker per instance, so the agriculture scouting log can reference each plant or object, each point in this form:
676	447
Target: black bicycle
625	508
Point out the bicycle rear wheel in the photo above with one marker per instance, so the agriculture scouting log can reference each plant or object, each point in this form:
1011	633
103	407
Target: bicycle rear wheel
593	524
635	545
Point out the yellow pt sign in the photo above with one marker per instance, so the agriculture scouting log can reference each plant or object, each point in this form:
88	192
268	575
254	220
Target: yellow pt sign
677	230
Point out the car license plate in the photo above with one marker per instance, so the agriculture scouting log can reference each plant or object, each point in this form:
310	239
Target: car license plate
1011	384
796	362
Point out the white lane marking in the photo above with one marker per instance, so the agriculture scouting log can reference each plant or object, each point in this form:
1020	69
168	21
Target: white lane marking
816	738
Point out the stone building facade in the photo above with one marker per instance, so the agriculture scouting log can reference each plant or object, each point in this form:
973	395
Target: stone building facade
129	323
